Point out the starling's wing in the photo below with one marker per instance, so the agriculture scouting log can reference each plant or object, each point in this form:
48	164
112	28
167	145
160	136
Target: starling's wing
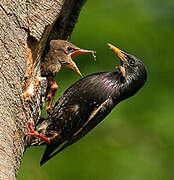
102	108
96	117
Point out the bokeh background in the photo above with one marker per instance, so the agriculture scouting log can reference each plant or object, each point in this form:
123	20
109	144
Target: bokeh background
136	141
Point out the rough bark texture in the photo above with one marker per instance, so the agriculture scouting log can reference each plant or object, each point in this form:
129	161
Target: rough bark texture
26	27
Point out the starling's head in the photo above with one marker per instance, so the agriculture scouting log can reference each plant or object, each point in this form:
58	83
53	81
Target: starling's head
131	68
67	51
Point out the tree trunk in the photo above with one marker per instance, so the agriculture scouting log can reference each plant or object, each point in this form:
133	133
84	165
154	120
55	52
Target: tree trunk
26	27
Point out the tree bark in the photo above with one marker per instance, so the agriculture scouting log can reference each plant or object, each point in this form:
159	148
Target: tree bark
26	27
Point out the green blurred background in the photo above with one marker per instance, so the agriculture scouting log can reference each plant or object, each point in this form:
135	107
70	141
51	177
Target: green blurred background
136	141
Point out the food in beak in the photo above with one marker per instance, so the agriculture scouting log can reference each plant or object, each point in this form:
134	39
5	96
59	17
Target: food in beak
122	57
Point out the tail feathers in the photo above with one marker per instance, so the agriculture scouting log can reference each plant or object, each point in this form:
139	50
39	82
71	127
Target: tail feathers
50	148
48	151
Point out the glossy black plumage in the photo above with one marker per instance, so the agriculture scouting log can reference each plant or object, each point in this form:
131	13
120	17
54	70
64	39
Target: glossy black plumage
88	101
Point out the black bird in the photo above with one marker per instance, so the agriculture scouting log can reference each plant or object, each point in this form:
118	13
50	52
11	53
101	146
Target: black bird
87	102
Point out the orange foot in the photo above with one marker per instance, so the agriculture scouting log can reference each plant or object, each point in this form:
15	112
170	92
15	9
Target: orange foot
33	133
53	89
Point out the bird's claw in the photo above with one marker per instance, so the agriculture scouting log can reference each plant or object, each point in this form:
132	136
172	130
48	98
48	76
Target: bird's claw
34	133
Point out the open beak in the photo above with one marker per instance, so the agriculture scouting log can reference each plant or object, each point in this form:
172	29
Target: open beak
118	52
81	51
74	67
121	56
75	53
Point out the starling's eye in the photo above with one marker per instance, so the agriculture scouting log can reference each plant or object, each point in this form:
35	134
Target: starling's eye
132	62
69	48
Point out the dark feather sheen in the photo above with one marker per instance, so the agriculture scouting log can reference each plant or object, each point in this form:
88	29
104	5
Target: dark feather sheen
85	104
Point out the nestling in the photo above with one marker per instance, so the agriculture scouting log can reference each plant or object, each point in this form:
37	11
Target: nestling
87	102
60	54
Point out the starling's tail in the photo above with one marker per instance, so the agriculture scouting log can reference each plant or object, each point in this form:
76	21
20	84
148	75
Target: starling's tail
48	151
50	148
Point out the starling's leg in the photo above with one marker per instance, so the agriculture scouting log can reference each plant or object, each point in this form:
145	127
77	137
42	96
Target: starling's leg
33	133
53	89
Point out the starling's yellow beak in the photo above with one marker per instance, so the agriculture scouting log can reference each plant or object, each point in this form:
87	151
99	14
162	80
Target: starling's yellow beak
118	52
122	57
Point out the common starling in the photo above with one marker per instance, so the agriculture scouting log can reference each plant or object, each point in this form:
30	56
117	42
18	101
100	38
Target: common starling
87	102
60	54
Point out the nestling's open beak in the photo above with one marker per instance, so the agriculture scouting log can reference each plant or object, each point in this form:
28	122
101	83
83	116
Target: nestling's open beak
74	67
121	56
75	53
80	51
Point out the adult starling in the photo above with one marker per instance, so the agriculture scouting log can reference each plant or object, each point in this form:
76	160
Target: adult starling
87	102
60	54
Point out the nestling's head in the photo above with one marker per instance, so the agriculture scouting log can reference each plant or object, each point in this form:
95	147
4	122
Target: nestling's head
67	51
